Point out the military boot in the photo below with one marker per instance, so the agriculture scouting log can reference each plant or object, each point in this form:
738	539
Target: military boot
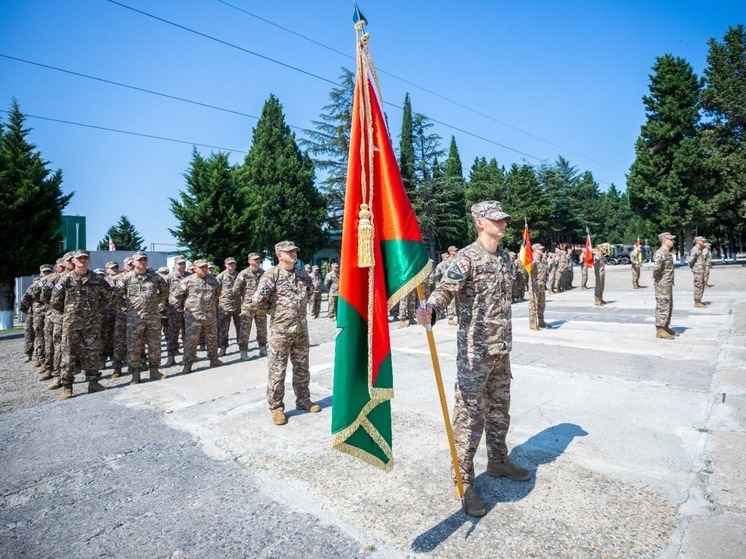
533	326
117	371
216	362
699	305
451	322
170	362
472	502
155	374
543	324
509	470
135	375
187	369
244	355
55	384
67	392
221	352
46	374
662	333
672	332
599	302
95	386
403	324
279	418
309	406
263	351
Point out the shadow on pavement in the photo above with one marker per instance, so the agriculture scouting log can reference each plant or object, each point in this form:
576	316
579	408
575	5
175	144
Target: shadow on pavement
542	448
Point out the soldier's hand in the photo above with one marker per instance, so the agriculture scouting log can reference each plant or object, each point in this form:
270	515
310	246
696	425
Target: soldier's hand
424	316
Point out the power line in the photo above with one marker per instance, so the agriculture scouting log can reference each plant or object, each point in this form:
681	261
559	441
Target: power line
128	132
426	90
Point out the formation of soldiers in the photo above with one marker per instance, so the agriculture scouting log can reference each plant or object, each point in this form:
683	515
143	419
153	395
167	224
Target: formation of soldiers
77	320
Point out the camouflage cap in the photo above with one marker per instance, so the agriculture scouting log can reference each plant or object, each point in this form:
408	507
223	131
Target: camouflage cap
111	264
138	255
163	271
285	246
200	262
666	235
316	268
537	246
78	253
60	261
511	254
67	256
127	260
335	265
444	255
45	268
700	239
604	247
210	265
489	209
179	259
254	256
99	271
450	248
229	260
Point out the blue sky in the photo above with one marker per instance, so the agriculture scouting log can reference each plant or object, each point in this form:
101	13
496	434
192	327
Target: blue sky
518	81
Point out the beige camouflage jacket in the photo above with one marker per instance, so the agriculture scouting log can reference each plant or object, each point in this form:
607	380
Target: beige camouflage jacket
199	296
287	293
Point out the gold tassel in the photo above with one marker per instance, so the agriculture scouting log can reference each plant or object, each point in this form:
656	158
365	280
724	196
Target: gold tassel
365	258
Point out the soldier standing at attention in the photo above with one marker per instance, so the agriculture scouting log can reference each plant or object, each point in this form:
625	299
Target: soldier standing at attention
80	295
697	265
451	310
244	288
52	327
230	305
707	254
199	294
143	291
332	287
635	259
175	310
480	278
120	324
32	299
663	271
599	268
316	297
537	305
287	290
583	269
108	317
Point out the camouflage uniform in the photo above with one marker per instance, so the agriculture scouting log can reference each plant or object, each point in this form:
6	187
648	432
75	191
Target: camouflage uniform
175	314
483	282
663	273
407	308
142	294
32	298
229	308
81	300
287	292
583	270
634	260
538	303
315	303
521	281
332	286
199	297
53	328
697	265
244	288
599	268
28	328
560	276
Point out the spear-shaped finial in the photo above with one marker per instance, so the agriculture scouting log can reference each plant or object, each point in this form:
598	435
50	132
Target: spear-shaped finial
358	16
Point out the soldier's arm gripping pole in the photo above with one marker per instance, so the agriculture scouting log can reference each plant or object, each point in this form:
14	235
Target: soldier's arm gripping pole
442	395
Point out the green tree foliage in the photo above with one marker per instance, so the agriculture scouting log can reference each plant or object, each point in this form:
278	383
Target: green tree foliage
614	217
277	182
558	181
329	145
584	208
211	213
454	196
406	148
524	199
32	201
124	235
666	182
724	135
426	148
486	182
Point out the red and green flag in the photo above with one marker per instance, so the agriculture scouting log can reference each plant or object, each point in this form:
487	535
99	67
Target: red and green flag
588	249
382	259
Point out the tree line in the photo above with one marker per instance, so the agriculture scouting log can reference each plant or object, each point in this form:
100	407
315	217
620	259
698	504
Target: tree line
688	177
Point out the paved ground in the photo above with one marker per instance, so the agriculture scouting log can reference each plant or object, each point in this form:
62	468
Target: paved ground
637	445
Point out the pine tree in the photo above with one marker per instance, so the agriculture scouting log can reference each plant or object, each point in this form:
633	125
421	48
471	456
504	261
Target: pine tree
32	201
486	182
525	199
124	235
724	135
666	183
211	213
329	145
406	148
558	181
277	181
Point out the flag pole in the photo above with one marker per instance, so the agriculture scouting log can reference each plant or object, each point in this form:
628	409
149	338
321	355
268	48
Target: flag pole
442	395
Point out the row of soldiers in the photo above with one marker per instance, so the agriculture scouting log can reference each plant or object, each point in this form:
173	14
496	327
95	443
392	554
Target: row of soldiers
77	320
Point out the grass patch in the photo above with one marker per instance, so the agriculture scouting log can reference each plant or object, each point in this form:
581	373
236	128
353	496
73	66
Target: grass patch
702	429
16	330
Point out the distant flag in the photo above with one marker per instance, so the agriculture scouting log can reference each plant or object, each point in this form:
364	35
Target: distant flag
588	249
112	246
383	258
526	254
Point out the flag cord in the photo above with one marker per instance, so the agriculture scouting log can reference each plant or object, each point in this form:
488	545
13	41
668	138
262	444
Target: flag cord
442	395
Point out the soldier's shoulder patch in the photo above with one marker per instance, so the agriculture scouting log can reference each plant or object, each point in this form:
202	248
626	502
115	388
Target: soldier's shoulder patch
58	286
269	284
457	270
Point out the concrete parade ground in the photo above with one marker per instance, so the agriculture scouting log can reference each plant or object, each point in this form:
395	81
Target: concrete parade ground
637	444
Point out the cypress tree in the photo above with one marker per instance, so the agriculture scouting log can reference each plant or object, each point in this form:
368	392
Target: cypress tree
406	148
